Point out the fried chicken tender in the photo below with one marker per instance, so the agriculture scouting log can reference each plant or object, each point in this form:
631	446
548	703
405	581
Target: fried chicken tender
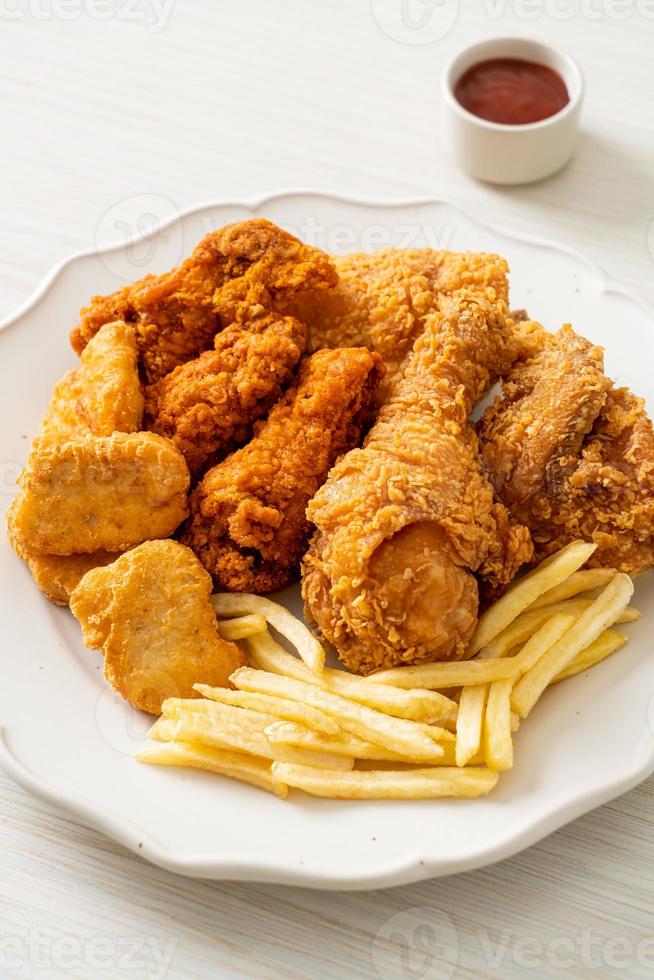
403	522
99	493
248	523
573	457
101	396
234	274
149	613
208	405
383	298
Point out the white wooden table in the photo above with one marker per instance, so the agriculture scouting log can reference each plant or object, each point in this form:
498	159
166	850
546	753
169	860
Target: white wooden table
197	101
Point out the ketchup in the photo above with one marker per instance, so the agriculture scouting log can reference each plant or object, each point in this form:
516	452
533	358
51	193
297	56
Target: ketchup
510	90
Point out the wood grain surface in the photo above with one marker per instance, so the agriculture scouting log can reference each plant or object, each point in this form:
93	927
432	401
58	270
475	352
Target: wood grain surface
113	112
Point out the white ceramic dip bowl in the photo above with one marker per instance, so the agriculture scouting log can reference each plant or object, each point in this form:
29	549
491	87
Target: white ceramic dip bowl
505	153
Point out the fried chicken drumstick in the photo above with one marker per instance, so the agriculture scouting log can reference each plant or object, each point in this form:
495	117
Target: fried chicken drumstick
573	457
403	522
234	274
248	523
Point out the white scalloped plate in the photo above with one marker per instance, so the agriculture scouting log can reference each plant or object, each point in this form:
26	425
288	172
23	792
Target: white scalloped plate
68	739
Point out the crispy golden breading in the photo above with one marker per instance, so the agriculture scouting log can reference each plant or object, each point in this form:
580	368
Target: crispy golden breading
101	396
403	522
573	457
248	523
149	613
99	493
234	274
208	405
382	299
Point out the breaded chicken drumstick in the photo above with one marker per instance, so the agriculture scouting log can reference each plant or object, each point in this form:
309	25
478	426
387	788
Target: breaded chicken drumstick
403	522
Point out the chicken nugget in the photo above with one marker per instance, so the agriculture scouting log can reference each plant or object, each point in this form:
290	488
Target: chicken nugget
149	613
98	493
58	575
101	396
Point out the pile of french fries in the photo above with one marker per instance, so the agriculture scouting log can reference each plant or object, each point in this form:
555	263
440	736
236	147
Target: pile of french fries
432	730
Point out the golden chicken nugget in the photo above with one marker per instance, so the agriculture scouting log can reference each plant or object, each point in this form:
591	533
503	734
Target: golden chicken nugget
98	493
101	396
149	613
57	575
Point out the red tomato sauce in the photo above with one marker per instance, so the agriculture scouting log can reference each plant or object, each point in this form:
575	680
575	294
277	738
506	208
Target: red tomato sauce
509	90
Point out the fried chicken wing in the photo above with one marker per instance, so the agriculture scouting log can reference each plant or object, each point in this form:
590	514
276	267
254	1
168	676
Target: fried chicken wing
99	493
234	274
102	395
382	299
573	457
403	522
248	523
208	405
149	613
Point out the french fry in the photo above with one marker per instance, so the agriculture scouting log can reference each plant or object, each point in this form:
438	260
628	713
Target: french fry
215	713
579	582
288	733
498	744
318	760
538	644
241	626
599	650
247	768
437	675
411	784
245	734
549	574
372	726
417	705
278	707
525	626
438	734
242	604
186	727
584	631
449	759
469	722
292	722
